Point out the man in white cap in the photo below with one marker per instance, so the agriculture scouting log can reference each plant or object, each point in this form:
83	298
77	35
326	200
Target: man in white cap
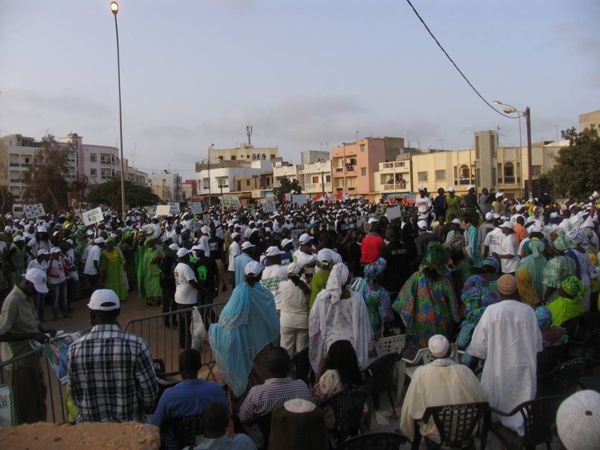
92	264
423	239
18	325
485	228
306	255
442	382
15	258
41	262
424	204
509	250
498	205
508	339
111	374
274	274
186	294
233	251
240	262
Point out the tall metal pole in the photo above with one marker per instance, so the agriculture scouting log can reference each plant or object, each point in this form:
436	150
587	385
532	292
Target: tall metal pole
209	180
527	115
114	7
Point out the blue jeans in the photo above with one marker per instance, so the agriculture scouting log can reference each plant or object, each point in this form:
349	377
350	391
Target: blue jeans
59	293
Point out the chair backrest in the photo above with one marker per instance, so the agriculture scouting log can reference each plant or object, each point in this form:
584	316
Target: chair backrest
566	376
347	408
303	368
456	423
391	344
539	417
186	429
572	327
264	423
379	373
375	441
549	359
423	356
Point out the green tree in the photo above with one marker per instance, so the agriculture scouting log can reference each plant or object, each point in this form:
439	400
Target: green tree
46	178
109	193
577	172
285	187
7	200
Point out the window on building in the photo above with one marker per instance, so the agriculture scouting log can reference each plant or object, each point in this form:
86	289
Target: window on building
315	179
233	158
26	160
363	171
272	156
93	172
362	148
93	157
253	156
264	156
536	171
440	175
422	176
509	172
499	172
247	182
328	178
476	147
239	185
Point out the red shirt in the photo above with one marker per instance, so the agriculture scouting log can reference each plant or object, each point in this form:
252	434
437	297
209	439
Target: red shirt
371	248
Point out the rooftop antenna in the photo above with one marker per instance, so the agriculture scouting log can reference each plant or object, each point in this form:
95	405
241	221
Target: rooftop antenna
249	134
133	156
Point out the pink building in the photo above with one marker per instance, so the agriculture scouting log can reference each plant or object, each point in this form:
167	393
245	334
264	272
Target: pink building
354	165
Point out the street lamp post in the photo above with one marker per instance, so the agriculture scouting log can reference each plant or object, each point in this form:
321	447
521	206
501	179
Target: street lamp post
209	180
527	114
114	7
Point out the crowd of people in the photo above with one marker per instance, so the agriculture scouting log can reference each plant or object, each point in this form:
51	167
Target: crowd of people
495	276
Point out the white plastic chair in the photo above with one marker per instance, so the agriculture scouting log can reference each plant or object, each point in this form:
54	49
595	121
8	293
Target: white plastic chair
391	344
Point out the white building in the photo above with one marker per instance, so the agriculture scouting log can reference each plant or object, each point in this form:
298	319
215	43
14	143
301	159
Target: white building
100	163
315	174
219	179
167	186
291	171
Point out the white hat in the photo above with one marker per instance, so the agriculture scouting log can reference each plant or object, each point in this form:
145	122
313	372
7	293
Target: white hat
174	247
421	187
499	194
104	300
489	216
324	255
536	228
246	245
456	221
294	268
38	278
471	186
422	224
438	345
273	251
451	189
205	229
578	421
554	215
69	241
100	240
305	238
42	229
42	252
89	232
253	268
18	238
507	224
182	252
234	235
286	242
497	216
55	250
373	220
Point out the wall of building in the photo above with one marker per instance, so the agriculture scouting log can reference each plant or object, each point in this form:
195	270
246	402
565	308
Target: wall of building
588	119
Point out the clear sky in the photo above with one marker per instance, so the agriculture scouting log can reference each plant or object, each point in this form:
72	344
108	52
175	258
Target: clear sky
303	72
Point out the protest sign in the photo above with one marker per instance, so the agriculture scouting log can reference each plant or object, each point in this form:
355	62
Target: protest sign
393	212
34	210
163	210
196	207
175	208
269	207
92	216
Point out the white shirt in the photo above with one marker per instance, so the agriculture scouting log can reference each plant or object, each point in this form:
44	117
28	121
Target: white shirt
508	338
493	241
185	294
423	204
204	245
509	247
34	264
93	255
294	306
234	250
272	276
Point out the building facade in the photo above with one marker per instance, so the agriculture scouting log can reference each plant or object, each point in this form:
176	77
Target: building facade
167	186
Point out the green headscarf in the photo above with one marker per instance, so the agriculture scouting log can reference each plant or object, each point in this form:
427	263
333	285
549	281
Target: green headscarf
574	288
436	258
537	247
562	242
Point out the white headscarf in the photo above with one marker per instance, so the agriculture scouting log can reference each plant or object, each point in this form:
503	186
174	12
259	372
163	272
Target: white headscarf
337	279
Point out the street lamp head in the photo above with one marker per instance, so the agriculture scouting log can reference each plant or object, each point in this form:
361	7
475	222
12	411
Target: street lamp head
509	110
498	102
114	7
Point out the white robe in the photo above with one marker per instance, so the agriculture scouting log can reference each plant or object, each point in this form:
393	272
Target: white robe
508	338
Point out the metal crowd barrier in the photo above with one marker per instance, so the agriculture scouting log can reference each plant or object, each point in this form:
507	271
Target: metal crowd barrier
164	341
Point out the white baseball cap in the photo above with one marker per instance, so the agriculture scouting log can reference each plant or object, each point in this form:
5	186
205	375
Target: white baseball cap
38	278
286	242
174	247
305	238
421	187
489	216
422	224
234	235
253	268
100	240
18	238
182	252
273	251
471	186
456	221
324	255
499	194
508	224
104	300
294	268
246	245
451	189
42	251
373	220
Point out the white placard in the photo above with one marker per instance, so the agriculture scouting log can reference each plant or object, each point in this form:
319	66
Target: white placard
196	207
163	210
393	212
299	199
269	207
175	208
34	210
92	216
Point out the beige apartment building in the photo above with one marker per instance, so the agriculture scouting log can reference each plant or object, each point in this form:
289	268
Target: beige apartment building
587	119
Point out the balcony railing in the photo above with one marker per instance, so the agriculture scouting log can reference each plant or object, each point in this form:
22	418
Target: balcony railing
339	169
395	187
465	181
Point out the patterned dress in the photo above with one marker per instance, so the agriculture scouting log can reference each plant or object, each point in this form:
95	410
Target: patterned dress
558	269
427	307
378	303
478	293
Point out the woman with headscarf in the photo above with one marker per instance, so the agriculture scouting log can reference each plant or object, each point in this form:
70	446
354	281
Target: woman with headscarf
552	335
239	341
569	304
558	268
376	298
427	303
530	274
112	262
338	314
586	271
459	268
319	280
479	292
149	272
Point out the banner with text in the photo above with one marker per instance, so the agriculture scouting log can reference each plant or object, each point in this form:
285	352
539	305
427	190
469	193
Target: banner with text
92	216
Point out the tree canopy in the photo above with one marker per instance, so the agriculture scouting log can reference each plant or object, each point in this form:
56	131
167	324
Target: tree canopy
47	178
577	172
285	187
109	193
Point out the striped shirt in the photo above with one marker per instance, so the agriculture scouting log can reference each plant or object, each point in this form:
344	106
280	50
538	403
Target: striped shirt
263	399
111	376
